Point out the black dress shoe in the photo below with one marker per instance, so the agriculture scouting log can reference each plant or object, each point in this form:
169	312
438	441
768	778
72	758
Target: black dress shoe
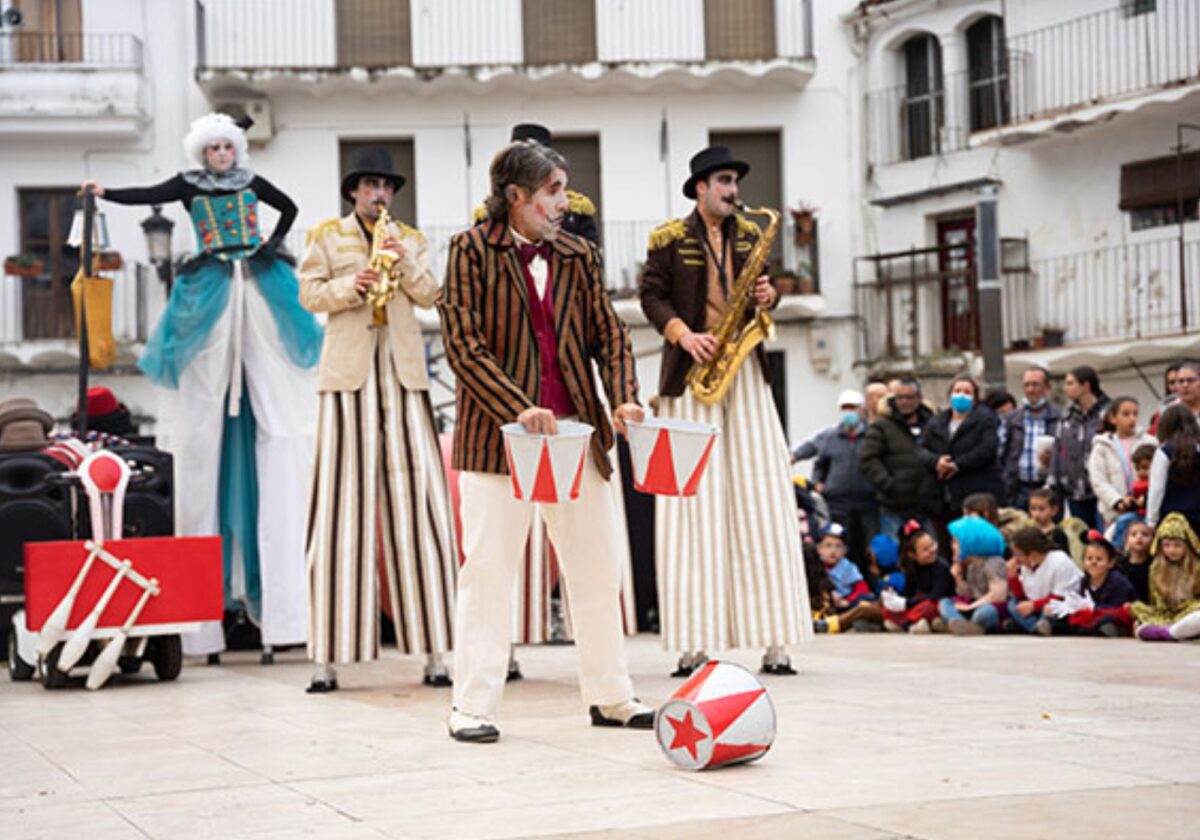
437	680
640	720
514	673
471	729
321	687
683	670
779	669
214	659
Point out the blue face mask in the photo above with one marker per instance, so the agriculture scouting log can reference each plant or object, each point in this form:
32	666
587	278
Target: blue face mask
1034	405
850	419
961	403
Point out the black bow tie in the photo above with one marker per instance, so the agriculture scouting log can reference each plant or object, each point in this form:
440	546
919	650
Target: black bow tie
529	251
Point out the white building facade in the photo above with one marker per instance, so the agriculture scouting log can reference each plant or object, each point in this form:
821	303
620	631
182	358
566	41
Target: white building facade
1070	111
630	91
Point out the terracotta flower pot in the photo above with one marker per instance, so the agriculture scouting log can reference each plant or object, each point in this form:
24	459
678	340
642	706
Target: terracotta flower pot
19	269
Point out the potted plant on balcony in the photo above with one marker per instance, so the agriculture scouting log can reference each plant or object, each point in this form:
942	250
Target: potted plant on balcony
23	265
1053	335
109	261
803	221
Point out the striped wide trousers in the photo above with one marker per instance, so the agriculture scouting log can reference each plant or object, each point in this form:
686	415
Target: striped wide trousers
730	569
380	522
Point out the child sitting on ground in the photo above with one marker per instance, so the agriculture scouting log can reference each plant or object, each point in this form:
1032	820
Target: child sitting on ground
983	505
981	587
1046	574
1132	538
853	601
1100	606
1173	613
1044	508
927	580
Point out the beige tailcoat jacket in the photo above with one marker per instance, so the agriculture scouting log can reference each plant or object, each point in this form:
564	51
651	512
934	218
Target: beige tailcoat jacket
336	251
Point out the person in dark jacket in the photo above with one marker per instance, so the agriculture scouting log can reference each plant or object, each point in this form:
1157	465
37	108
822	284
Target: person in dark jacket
888	456
1068	467
959	446
839	478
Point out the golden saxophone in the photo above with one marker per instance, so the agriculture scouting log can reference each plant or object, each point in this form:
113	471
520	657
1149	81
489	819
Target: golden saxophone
736	337
385	264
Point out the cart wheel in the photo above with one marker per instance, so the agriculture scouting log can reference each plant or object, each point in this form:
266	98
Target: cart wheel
129	665
166	654
51	676
18	669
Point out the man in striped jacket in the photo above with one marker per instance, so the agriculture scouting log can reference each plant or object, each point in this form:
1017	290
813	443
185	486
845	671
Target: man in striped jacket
524	316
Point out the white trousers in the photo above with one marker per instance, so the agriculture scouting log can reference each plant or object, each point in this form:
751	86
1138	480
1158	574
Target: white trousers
730	568
283	397
495	527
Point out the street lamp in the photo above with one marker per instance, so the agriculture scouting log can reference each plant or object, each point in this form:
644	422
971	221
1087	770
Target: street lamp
157	229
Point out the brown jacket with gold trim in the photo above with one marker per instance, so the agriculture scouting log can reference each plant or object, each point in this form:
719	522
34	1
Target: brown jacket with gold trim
492	348
674	284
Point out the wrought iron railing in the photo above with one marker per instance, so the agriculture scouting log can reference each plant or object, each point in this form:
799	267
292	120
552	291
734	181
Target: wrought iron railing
98	49
1133	48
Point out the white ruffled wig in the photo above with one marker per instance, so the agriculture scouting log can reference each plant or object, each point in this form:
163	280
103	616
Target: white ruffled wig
212	127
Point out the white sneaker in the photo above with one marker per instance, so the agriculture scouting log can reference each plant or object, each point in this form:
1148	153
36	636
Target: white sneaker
921	627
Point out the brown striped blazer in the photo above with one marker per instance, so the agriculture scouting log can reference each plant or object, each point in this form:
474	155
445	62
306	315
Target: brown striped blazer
491	346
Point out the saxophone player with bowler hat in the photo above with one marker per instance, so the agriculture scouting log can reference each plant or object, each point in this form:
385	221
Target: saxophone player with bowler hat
730	571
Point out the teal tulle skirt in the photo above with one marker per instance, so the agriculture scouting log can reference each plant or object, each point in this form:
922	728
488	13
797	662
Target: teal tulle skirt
200	296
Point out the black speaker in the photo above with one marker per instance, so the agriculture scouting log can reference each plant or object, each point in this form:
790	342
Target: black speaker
149	497
35	506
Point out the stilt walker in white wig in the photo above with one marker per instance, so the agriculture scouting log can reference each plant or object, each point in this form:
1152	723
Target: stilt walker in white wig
379	484
238	352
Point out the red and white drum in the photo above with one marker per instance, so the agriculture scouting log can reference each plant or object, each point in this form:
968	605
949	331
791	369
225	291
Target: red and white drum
547	468
669	456
722	715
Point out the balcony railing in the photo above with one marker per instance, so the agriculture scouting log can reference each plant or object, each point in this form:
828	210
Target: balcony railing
1134	48
907	126
922	302
432	34
88	49
1127	291
33	308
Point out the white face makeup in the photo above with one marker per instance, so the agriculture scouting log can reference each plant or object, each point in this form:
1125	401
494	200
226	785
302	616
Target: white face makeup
538	216
370	192
220	156
717	194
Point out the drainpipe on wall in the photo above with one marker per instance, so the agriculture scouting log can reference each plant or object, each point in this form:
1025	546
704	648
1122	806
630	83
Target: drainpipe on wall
989	288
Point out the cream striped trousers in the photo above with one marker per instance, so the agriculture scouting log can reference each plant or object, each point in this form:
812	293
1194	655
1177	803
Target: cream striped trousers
379	516
730	569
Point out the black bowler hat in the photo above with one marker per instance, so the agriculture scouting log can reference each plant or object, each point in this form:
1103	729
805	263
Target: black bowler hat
373	160
710	160
530	131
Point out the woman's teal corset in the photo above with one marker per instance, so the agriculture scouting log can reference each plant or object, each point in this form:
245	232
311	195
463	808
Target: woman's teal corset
227	225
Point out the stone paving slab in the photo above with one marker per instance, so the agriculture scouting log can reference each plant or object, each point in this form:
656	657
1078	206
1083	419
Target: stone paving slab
879	736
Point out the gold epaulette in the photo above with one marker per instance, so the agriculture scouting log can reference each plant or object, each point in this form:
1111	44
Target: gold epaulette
319	230
748	227
479	215
409	230
665	234
580	204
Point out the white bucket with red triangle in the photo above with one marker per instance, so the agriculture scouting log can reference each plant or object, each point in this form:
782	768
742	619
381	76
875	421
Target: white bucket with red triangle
722	715
669	456
547	468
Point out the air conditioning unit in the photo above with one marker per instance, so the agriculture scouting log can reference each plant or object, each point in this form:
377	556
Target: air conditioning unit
257	108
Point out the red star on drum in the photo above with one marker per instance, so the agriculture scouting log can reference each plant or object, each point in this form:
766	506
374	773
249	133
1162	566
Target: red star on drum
722	715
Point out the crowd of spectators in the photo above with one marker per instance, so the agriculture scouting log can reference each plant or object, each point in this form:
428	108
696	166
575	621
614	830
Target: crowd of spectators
997	515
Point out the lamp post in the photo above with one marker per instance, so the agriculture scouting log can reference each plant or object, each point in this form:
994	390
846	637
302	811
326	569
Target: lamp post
1179	147
157	229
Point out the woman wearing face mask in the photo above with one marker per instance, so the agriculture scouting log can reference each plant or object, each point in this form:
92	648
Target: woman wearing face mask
236	353
959	447
839	478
